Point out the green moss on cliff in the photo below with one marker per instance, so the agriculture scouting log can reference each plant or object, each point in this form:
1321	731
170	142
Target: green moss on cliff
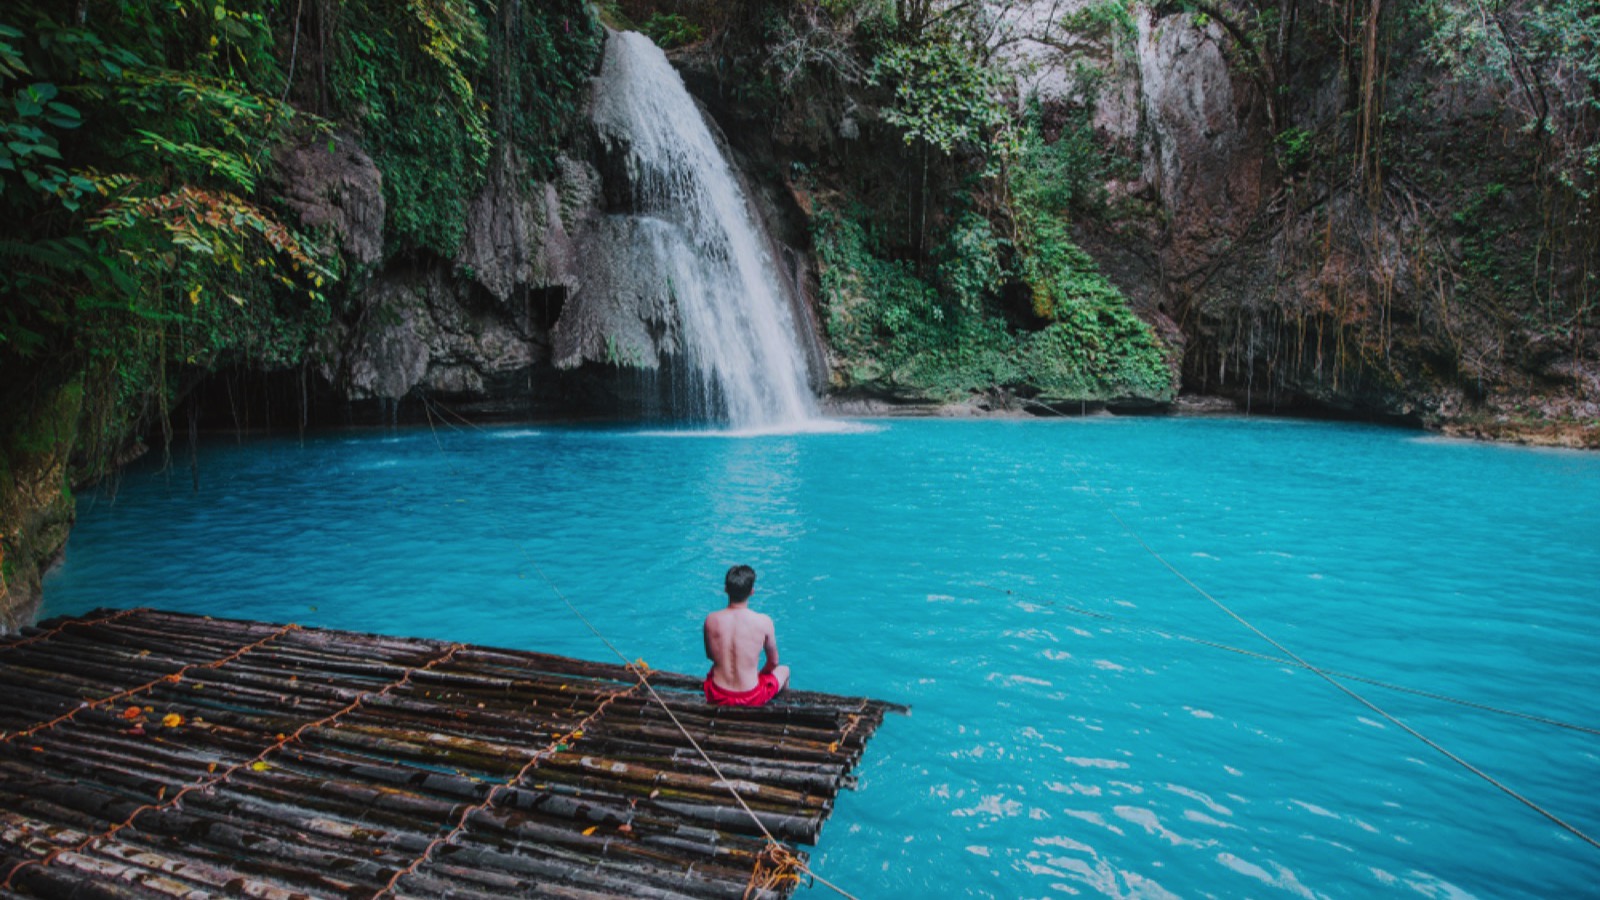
433	87
896	332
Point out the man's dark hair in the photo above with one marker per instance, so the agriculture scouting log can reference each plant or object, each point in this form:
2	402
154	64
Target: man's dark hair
740	582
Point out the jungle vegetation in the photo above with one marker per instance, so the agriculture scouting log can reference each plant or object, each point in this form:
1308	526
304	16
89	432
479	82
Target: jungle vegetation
144	240
942	202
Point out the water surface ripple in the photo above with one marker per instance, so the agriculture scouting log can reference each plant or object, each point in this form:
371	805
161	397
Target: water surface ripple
1069	735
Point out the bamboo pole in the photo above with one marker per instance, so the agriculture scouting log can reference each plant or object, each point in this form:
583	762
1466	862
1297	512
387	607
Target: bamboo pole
359	795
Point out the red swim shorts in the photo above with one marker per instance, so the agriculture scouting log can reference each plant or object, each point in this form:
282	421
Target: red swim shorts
766	688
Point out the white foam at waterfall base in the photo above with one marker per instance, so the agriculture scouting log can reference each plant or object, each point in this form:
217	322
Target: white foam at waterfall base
735	326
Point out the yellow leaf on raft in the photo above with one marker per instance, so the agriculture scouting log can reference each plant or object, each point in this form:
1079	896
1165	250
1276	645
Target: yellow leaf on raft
171	720
590	830
259	766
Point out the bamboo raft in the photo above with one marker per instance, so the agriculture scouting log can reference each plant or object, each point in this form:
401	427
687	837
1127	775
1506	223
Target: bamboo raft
152	754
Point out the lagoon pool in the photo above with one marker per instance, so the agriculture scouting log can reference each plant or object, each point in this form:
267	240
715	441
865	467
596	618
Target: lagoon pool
1084	722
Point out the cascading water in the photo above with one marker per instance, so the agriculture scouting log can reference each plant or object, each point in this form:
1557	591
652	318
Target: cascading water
690	229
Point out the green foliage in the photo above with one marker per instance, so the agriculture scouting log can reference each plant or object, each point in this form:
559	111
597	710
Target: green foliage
135	239
543	61
670	30
1003	299
432	85
943	95
404	75
1294	148
888	325
28	148
972	269
1094	346
1055	177
1543	56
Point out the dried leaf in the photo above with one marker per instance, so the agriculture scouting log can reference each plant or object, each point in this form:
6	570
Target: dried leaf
625	828
131	712
590	830
171	720
259	766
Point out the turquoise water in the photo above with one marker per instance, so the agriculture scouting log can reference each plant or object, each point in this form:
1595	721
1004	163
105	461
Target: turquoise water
1071	735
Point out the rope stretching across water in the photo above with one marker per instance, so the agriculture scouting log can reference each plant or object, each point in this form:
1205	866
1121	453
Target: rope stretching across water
1324	675
1267	657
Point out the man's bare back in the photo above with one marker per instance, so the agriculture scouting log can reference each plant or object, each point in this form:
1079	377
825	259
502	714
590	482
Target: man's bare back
735	639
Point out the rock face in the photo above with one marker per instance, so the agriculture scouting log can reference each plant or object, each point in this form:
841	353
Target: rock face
1204	156
1311	264
334	185
555	303
36	506
473	331
1379	291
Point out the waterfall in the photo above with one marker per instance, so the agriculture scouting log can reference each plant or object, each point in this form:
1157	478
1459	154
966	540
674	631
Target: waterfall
689	230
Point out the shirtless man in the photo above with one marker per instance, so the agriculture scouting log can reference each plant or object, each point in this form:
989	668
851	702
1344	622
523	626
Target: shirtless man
735	639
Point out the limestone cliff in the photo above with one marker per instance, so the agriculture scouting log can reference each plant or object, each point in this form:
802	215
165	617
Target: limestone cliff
1390	247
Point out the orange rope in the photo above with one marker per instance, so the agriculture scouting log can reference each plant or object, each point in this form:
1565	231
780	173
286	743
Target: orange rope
775	865
206	783
570	737
855	720
172	678
64	625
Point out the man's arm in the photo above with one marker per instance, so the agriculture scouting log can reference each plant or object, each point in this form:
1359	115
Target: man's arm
705	637
770	645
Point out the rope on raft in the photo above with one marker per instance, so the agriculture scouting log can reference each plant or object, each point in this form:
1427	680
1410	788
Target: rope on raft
171	678
776	860
559	742
206	783
46	635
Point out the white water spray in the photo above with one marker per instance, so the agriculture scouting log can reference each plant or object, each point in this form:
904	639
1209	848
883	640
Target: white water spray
692	226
